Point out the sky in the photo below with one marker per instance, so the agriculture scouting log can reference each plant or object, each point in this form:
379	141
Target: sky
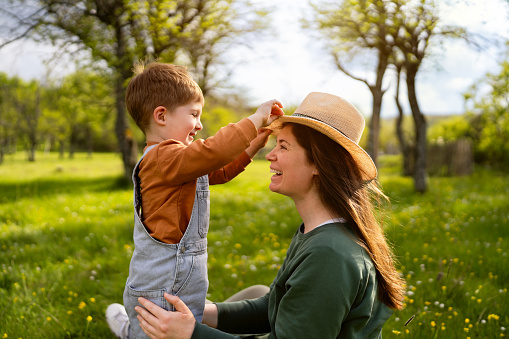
293	62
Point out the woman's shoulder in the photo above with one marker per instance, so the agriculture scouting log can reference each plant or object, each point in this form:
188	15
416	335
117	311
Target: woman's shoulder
337	242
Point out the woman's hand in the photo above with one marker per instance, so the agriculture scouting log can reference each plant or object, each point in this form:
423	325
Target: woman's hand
158	323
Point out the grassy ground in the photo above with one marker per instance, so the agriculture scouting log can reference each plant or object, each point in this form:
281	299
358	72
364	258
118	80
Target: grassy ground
66	241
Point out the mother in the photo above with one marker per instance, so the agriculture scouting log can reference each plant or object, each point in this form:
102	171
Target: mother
338	279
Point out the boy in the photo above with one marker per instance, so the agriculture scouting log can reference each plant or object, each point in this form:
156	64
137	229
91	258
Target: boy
171	193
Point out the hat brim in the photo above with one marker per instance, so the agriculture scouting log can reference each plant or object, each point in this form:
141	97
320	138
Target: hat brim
361	157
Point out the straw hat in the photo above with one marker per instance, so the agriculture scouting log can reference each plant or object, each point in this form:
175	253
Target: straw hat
339	120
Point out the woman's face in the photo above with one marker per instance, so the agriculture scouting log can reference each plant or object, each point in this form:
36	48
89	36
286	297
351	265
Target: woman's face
293	174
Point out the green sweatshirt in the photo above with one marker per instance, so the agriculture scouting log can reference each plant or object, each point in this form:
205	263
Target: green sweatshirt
326	288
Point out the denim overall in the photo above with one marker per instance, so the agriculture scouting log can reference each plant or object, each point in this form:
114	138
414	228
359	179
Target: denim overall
178	269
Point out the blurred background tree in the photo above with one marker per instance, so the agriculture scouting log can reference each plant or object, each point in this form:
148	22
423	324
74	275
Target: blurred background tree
118	33
389	33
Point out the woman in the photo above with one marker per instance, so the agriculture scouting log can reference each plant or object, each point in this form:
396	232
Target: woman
338	279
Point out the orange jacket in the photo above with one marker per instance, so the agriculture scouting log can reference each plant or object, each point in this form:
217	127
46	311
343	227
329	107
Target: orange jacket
168	175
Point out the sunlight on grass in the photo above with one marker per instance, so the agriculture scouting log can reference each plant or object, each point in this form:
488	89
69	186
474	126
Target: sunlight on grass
66	242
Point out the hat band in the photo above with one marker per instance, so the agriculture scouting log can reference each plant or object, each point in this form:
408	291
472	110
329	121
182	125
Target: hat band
312	118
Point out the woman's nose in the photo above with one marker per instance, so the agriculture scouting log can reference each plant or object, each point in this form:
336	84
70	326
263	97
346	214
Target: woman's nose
270	156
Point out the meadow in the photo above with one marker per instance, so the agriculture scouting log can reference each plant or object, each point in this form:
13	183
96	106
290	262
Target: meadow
66	242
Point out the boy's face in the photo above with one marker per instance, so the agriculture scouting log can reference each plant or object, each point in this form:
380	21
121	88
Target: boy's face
184	122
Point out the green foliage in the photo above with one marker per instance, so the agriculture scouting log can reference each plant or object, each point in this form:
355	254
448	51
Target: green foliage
214	117
66	242
489	116
450	129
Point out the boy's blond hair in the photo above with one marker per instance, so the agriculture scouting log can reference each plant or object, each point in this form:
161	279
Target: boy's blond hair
159	84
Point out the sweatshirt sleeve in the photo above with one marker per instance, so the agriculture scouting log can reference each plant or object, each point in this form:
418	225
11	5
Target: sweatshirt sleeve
230	171
179	163
242	317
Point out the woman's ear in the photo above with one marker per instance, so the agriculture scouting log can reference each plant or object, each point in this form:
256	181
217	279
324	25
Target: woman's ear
160	115
315	170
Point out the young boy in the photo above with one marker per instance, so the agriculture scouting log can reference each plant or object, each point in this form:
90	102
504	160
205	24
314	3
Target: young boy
171	185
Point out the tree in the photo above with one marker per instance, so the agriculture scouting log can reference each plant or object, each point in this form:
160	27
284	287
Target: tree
417	23
357	27
20	112
118	33
9	119
76	106
489	116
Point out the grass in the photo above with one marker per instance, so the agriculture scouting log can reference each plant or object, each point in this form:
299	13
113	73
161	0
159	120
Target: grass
66	241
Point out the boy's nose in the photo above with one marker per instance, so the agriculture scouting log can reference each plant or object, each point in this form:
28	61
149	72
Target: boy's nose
199	126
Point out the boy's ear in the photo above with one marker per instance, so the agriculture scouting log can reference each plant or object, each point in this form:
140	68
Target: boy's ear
159	115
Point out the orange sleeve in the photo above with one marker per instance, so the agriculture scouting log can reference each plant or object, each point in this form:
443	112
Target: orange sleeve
179	163
230	171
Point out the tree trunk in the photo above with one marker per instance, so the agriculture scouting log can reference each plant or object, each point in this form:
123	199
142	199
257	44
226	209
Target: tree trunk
72	142
61	149
90	144
403	145
374	125
126	142
420	176
377	92
2	148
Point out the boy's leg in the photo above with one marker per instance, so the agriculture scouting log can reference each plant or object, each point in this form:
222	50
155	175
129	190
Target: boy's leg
118	320
252	292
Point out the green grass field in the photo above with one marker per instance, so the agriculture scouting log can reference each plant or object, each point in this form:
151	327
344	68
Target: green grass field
66	241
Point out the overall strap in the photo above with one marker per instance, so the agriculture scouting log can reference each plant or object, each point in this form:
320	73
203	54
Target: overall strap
137	193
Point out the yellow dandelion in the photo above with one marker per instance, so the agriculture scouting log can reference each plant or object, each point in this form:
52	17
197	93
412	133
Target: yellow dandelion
396	332
82	305
466	329
407	330
444	288
467	321
442	328
92	300
433	323
89	318
5	335
493	316
479	301
48	318
69	312
237	245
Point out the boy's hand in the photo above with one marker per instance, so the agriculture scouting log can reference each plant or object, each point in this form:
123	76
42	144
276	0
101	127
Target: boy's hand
259	142
267	113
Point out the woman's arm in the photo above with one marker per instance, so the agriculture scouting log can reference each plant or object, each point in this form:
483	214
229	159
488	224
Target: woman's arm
159	323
